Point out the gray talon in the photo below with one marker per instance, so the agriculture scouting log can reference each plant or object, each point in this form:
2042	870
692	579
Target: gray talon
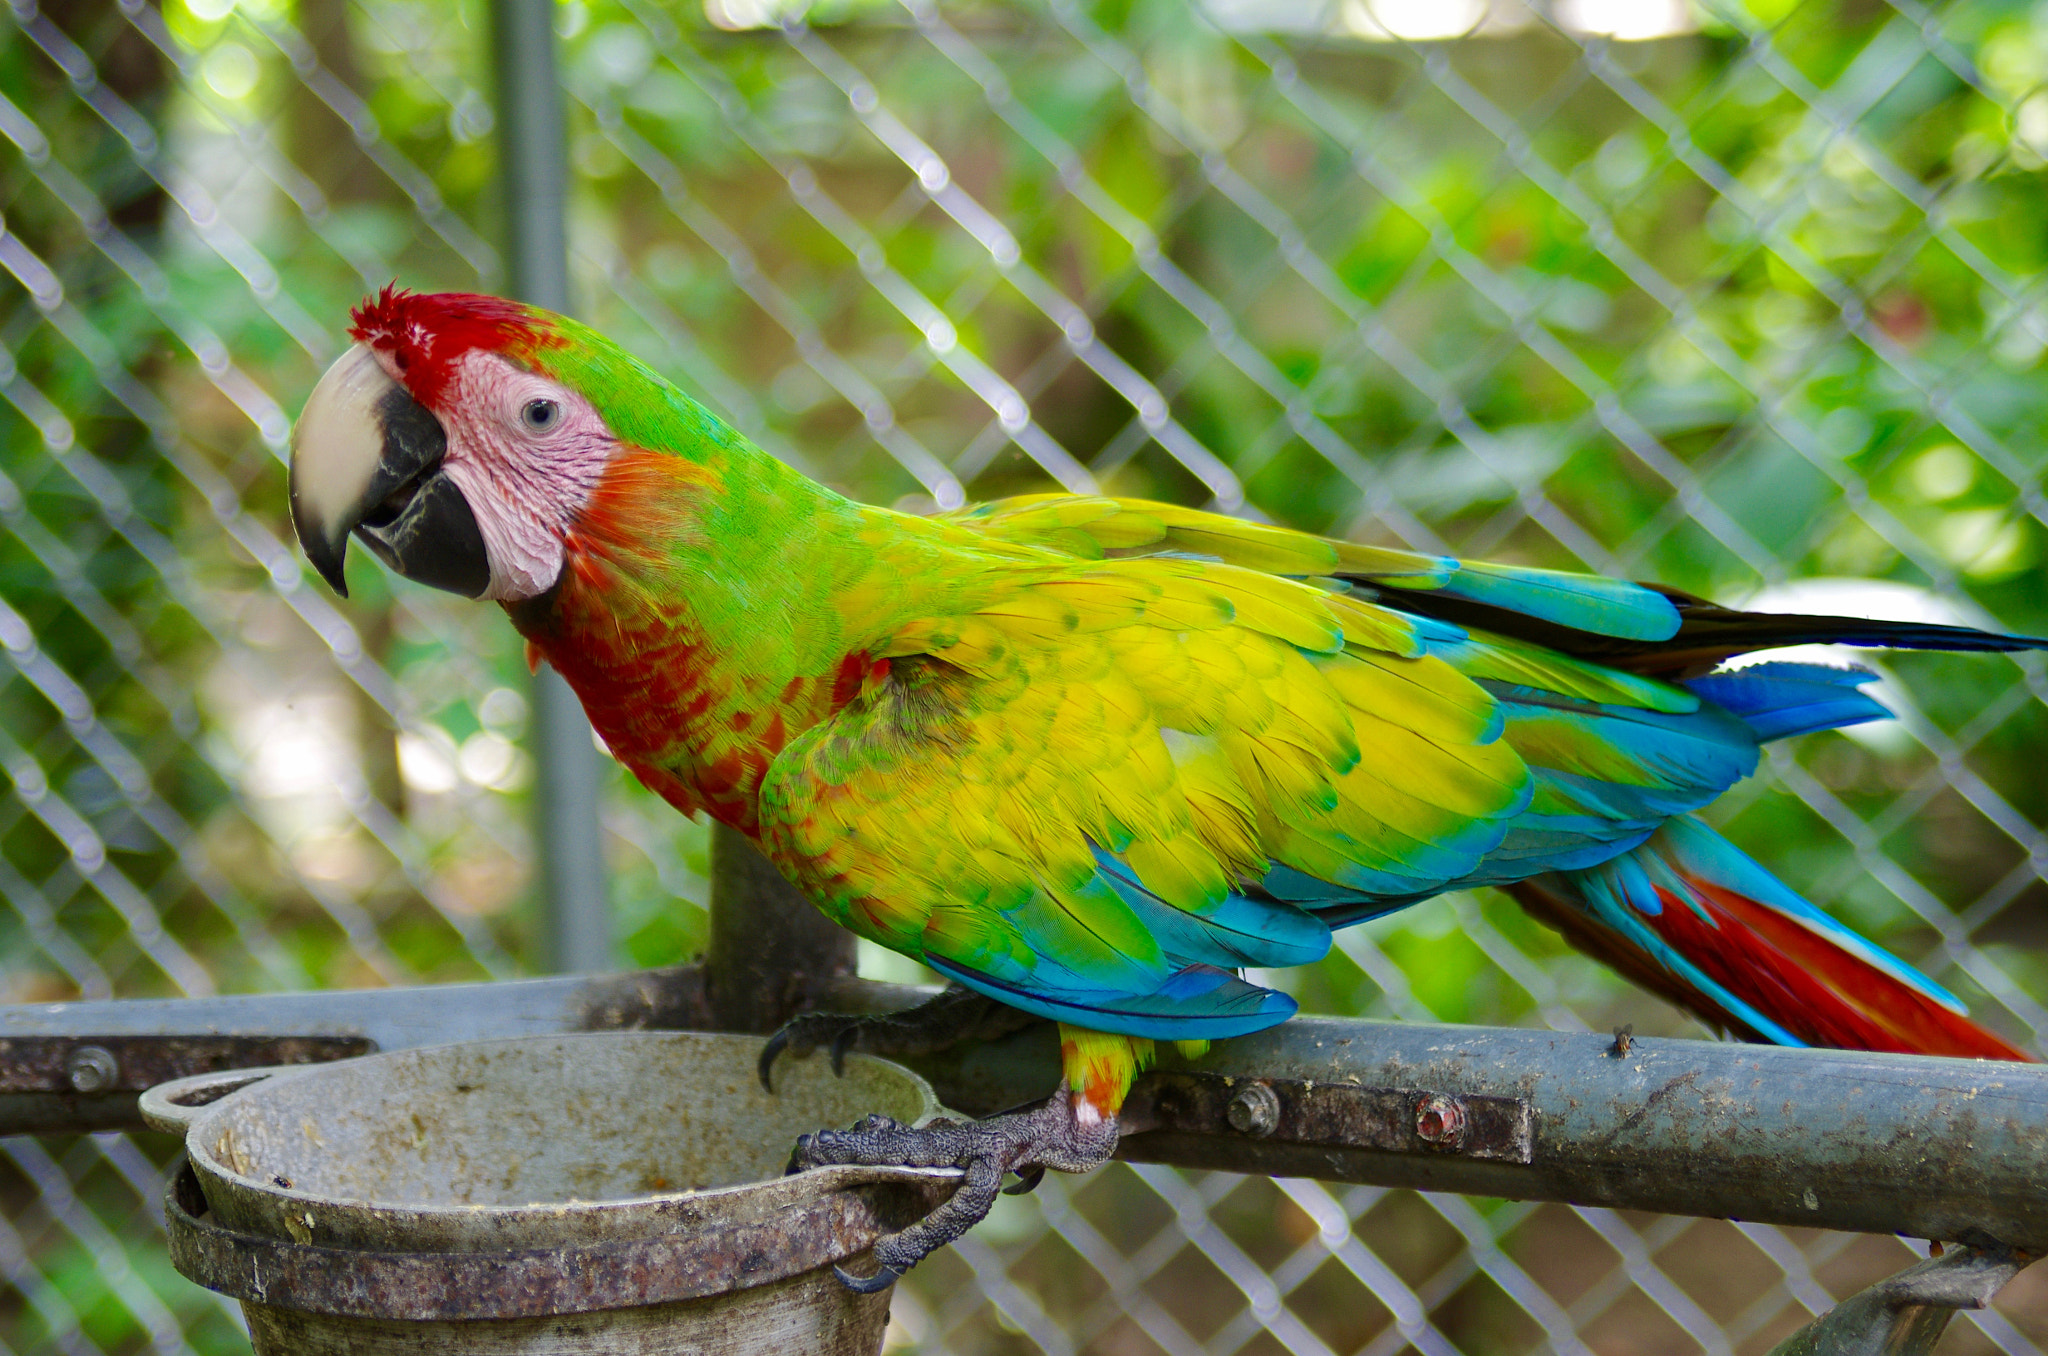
766	1064
842	1043
1026	1183
954	1015
867	1285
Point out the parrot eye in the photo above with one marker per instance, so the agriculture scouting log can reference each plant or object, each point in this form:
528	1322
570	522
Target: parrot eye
540	415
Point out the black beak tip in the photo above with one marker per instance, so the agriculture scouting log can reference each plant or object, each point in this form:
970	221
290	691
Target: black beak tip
333	575
325	557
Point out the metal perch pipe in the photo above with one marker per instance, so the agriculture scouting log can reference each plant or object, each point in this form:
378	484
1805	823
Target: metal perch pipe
1934	1148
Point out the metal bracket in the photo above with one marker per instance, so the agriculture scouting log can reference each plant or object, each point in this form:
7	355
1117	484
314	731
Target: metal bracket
1905	1315
1337	1115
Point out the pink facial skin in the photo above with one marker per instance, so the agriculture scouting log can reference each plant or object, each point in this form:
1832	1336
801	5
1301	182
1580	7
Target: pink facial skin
526	472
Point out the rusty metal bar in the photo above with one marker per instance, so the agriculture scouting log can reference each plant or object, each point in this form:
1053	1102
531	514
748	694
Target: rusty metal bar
52	1081
1935	1148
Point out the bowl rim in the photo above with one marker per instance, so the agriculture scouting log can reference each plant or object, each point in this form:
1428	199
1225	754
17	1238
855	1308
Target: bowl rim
164	1112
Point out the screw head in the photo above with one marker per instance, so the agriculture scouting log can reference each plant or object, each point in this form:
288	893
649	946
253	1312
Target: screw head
1254	1110
1440	1120
92	1068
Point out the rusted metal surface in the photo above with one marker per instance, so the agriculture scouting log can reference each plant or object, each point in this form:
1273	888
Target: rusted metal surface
1933	1148
538	1141
103	1064
1906	1314
771	951
1333	1115
532	1282
582	1193
89	1080
810	1313
141	1039
673	998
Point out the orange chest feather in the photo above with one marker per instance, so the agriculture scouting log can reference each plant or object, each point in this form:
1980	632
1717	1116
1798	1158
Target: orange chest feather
696	729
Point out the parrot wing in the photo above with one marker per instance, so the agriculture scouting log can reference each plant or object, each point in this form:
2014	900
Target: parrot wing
1095	526
1640	628
1192	745
1067	798
1111	785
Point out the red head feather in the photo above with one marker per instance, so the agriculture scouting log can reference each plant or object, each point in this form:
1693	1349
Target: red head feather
427	332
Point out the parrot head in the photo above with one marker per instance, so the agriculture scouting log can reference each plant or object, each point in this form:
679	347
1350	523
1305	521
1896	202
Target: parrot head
445	440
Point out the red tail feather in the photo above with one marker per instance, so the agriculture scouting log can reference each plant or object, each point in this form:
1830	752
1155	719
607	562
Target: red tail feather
1815	989
1820	992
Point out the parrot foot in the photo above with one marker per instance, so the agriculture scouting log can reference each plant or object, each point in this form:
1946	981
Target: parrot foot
954	1014
1058	1135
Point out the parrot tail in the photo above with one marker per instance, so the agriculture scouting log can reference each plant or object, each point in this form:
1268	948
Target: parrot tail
1689	916
1707	633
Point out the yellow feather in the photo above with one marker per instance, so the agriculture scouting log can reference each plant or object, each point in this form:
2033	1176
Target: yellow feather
1217	799
1109	522
966	643
1030	613
1426	695
1373	627
1515	661
1253	546
1296	613
1187	603
1308	711
1181	870
1281	774
1379	562
1101	599
1223	669
1472	780
1126	530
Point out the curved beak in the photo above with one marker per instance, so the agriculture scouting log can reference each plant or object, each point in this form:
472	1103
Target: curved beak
366	459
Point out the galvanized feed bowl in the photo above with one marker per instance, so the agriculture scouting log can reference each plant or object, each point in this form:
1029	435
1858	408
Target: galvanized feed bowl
616	1192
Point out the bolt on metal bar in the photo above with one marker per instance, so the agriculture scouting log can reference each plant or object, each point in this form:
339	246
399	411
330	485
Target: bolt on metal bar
577	931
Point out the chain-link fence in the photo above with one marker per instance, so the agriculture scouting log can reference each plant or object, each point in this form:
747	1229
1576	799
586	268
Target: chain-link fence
1748	300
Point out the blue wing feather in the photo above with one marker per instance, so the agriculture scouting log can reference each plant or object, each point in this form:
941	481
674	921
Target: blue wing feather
1197	1002
1583	602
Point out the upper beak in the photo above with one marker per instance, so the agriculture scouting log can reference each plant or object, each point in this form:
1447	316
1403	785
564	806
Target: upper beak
366	458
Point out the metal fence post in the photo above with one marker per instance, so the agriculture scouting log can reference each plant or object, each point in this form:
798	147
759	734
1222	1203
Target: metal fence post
576	934
770	948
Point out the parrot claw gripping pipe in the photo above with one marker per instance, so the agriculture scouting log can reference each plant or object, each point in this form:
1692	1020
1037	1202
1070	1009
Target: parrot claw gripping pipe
1095	758
1055	1135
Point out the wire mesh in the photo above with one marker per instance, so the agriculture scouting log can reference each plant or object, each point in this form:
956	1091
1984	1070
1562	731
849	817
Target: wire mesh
1748	299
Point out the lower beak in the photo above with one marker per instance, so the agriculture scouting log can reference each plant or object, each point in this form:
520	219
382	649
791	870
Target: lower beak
366	459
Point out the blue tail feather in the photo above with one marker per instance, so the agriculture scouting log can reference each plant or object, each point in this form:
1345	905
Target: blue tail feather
1778	700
